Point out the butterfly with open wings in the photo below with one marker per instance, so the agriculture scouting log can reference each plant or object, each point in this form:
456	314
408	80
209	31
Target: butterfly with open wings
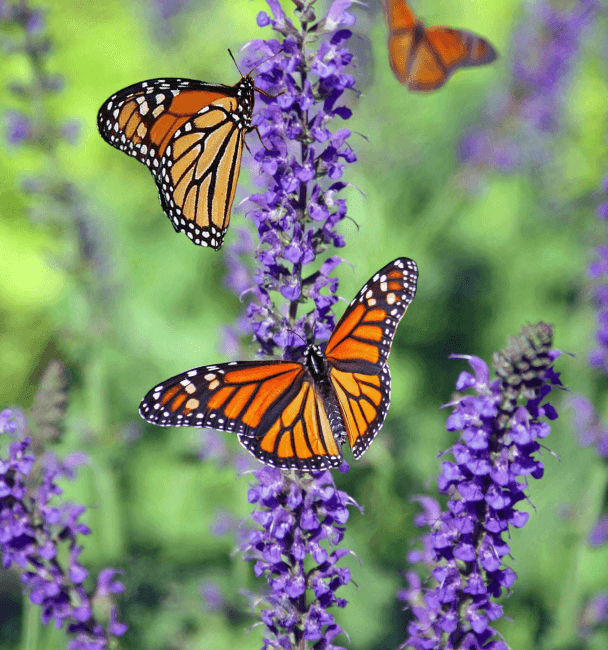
190	134
298	415
424	59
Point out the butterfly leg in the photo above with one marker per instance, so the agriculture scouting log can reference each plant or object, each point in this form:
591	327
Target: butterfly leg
267	95
255	128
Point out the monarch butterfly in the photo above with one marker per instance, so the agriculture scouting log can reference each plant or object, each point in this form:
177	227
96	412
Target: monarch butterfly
424	59
190	135
298	415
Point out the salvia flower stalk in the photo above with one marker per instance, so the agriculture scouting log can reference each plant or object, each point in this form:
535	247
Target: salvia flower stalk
598	273
55	201
296	519
300	517
34	529
590	428
521	118
302	163
502	423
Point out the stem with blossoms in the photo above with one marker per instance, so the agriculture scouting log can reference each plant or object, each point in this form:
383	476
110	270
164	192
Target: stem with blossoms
41	536
302	161
296	514
55	200
300	517
592	430
521	118
501	424
35	528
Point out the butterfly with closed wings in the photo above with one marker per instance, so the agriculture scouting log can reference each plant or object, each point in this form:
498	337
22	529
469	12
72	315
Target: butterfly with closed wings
424	59
190	134
298	415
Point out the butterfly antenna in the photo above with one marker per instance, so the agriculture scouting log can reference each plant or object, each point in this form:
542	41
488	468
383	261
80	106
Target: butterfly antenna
314	325
303	341
235	63
264	61
252	69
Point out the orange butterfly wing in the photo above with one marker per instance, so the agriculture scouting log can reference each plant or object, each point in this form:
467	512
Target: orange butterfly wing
271	405
401	37
358	350
236	396
398	15
301	437
361	341
364	402
424	59
450	50
190	135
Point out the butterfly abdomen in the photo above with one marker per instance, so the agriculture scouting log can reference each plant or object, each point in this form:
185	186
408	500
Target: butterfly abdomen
317	365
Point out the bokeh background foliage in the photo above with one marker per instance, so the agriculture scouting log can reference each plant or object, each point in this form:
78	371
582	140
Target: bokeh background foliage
140	304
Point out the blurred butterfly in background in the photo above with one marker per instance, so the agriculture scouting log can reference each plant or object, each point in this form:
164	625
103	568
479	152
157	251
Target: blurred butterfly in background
424	59
190	135
298	415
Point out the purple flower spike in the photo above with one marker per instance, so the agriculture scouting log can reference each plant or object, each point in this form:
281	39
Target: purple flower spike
520	119
295	515
33	528
466	549
297	211
590	428
598	272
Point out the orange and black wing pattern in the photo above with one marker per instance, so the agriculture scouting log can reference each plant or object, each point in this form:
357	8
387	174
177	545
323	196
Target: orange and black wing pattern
402	24
424	59
271	405
358	350
364	402
297	416
361	341
190	135
302	436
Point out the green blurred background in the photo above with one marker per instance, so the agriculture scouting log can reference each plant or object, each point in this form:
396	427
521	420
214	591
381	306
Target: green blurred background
145	304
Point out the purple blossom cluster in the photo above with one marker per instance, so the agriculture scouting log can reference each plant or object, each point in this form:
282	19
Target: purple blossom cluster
598	273
501	425
54	199
34	529
591	430
521	118
301	162
32	41
300	522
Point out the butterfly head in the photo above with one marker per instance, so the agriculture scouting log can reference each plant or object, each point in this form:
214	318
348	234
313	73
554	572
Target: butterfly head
246	85
315	362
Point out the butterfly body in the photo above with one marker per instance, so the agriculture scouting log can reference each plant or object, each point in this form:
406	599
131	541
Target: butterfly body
319	371
298	415
190	135
423	58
